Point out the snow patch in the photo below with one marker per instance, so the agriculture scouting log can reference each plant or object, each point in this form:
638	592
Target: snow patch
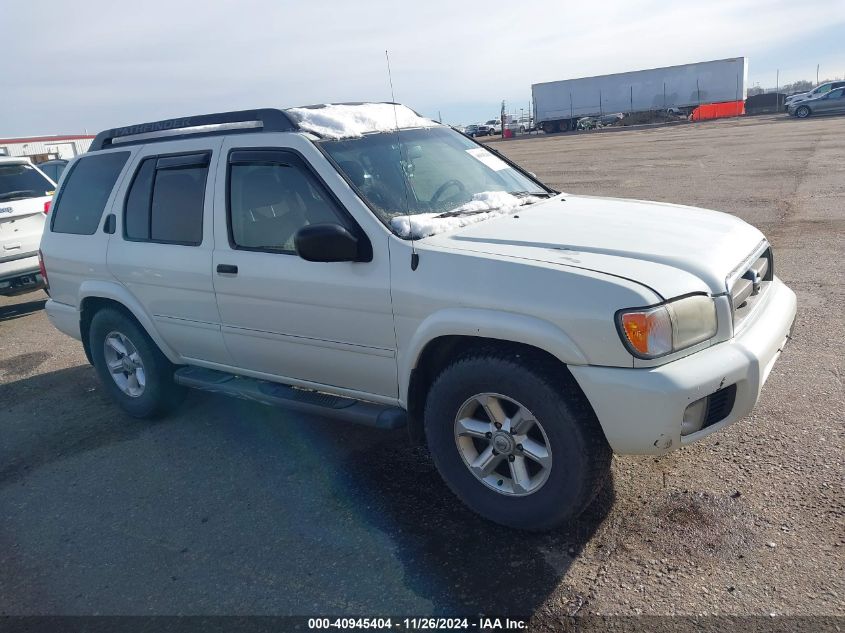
490	203
350	121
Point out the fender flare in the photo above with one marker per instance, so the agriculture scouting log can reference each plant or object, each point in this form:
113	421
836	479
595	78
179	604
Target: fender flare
120	294
489	324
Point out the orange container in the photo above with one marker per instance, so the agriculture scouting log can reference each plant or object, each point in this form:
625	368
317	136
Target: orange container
718	110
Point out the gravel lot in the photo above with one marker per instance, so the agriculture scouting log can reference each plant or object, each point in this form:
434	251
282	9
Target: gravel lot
229	507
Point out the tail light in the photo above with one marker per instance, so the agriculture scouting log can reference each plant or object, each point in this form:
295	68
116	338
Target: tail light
43	269
47	206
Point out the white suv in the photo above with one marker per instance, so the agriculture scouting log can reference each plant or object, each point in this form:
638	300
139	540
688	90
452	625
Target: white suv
364	262
25	195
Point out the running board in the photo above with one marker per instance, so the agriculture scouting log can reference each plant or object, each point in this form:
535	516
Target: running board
359	412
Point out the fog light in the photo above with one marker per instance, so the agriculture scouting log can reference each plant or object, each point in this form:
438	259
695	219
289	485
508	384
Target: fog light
694	416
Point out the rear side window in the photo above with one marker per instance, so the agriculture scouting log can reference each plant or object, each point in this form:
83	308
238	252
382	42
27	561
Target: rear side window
83	197
21	180
165	201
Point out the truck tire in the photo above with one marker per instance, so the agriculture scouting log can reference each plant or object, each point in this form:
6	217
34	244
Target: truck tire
131	367
515	441
564	126
549	127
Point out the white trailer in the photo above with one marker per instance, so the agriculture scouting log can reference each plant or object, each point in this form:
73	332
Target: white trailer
559	104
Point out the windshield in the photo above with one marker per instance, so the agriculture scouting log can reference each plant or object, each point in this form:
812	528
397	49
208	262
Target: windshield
22	180
441	172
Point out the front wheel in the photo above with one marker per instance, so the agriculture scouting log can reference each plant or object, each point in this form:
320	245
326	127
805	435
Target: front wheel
515	441
132	369
802	112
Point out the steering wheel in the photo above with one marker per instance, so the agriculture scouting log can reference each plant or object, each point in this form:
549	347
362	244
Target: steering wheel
445	187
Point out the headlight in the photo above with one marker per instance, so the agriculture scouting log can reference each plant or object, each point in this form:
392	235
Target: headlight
669	327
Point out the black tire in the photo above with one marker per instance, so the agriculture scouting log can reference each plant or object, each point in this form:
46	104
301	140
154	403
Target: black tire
581	455
549	127
522	129
802	112
160	393
563	126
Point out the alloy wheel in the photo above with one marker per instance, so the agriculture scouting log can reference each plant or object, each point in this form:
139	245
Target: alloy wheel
502	444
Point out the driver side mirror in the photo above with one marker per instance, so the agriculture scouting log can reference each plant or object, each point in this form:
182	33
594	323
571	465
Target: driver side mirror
327	243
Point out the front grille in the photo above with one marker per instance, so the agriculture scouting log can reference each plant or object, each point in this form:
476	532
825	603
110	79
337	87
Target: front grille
751	285
720	405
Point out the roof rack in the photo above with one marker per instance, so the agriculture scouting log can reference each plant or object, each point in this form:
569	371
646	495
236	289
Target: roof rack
260	120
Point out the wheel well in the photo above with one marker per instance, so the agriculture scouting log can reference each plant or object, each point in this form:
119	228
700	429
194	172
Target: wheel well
90	307
439	353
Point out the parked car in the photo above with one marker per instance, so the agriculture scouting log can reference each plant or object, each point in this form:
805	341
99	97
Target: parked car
494	125
519	125
53	168
832	102
295	258
473	130
818	91
25	195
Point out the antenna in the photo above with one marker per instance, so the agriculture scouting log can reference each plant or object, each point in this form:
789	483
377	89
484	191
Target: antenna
415	258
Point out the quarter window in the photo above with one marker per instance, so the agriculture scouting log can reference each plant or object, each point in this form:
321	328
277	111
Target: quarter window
87	188
166	199
271	196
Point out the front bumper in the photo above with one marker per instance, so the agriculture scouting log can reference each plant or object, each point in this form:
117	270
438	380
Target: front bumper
641	410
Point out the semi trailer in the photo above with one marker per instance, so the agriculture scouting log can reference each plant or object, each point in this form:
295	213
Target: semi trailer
559	104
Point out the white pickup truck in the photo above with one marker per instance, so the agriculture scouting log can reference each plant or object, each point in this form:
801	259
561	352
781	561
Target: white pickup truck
366	263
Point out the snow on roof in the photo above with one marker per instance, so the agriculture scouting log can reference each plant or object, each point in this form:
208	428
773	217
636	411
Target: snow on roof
483	206
352	120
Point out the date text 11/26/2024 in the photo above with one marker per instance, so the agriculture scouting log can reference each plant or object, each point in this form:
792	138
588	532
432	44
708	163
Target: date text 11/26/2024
417	624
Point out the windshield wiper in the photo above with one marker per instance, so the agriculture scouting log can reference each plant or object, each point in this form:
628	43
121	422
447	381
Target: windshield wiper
455	214
536	194
23	193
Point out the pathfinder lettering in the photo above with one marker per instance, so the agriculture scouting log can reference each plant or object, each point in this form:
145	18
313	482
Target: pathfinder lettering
157	126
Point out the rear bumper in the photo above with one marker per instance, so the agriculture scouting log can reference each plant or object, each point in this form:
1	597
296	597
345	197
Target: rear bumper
20	275
641	410
64	318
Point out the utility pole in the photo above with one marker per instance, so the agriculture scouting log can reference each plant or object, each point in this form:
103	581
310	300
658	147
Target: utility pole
817	74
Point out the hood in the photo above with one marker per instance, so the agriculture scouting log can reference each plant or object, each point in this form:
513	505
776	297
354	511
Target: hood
670	248
800	95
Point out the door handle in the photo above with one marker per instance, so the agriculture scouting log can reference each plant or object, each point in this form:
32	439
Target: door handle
228	269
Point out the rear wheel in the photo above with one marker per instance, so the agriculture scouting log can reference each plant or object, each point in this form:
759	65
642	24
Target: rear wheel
802	112
515	441
549	127
564	126
132	369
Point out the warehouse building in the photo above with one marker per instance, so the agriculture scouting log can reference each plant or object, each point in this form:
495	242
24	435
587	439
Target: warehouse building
41	148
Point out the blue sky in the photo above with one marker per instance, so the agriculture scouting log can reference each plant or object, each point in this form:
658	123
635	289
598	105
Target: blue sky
71	67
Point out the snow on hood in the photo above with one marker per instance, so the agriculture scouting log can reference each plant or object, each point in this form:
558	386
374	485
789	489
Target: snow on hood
349	121
491	203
